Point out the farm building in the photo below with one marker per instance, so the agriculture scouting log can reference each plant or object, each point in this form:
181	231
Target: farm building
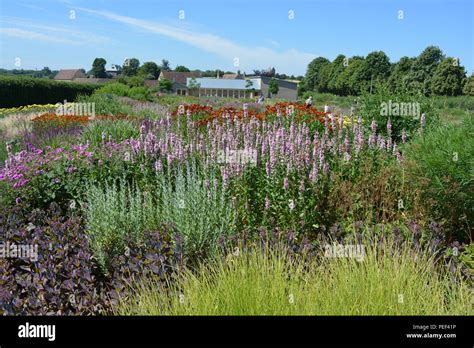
70	74
240	88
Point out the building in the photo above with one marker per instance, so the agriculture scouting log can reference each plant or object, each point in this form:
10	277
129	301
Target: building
240	88
178	80
70	74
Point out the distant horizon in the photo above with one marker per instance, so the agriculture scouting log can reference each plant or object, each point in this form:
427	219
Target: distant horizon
208	34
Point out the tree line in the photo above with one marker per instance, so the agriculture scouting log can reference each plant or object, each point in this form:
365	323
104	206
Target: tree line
431	73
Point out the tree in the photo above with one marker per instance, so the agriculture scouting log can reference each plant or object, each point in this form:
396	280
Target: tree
130	66
378	67
337	67
165	65
272	87
353	79
313	73
98	68
149	69
165	85
448	78
399	78
469	86
181	68
424	68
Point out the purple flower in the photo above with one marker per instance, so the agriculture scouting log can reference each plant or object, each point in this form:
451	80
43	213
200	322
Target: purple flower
18	200
285	183
267	203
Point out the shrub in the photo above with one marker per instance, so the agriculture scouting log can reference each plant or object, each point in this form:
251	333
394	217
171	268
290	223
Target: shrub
118	89
62	280
18	91
116	213
441	163
140	93
389	280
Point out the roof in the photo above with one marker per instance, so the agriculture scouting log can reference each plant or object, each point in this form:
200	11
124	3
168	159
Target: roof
180	77
232	76
69	74
281	83
92	80
209	82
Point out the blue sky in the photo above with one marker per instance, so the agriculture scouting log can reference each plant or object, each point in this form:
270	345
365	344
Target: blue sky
252	34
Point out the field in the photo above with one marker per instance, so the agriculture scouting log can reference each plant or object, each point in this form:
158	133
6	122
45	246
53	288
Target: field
187	206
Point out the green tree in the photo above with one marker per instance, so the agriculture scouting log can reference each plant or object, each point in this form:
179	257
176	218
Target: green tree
149	69
353	79
130	66
399	79
423	69
272	87
312	76
469	86
181	68
378	67
165	65
98	68
448	78
165	85
337	68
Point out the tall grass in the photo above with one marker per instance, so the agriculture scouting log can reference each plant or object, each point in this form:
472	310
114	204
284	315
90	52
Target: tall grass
389	281
117	130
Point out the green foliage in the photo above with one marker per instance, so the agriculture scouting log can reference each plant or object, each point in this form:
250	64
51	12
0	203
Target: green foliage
181	68
98	68
117	130
469	86
441	162
272	87
389	280
118	89
115	213
165	85
382	105
130	66
448	78
149	69
18	91
140	93
197	208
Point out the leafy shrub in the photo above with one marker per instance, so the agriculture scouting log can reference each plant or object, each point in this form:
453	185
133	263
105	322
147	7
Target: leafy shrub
18	91
441	163
370	108
116	213
140	93
118	89
198	210
63	278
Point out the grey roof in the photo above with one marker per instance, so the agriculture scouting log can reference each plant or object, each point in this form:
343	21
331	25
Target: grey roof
209	82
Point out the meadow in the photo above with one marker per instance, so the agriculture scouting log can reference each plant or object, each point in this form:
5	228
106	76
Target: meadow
185	206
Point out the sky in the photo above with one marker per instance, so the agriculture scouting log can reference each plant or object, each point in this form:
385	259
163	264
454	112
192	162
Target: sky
229	35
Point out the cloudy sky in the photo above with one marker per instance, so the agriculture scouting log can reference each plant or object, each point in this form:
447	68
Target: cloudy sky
228	34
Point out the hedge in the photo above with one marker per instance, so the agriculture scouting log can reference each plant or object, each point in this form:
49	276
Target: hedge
20	91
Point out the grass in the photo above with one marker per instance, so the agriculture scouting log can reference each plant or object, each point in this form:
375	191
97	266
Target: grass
389	281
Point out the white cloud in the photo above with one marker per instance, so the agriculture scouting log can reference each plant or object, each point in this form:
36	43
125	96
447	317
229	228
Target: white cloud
290	61
44	33
31	35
